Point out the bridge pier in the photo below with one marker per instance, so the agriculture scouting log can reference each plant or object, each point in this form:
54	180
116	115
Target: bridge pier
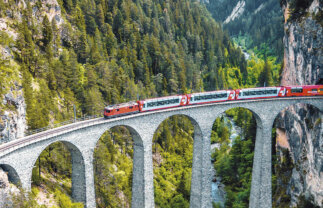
138	180
196	181
202	166
265	199
206	198
148	176
82	137
89	180
261	193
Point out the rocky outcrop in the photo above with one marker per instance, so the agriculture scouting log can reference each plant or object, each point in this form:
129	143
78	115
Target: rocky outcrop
236	12
301	125
12	104
6	189
13	119
299	128
303	43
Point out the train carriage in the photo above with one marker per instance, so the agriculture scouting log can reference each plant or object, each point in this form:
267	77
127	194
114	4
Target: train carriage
307	90
121	109
210	97
261	92
162	103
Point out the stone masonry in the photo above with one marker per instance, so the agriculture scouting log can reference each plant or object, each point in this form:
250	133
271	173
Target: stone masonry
82	138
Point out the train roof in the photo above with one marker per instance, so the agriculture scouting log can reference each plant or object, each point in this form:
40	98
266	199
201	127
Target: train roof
161	98
304	86
208	92
260	88
131	103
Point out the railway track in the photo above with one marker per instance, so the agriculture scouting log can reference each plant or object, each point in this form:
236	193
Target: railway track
39	136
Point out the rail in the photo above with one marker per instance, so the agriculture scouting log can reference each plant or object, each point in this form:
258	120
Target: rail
90	120
53	126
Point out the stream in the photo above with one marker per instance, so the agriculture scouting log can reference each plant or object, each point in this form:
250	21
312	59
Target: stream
218	192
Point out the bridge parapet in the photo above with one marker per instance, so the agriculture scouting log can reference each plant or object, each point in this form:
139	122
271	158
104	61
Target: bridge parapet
82	137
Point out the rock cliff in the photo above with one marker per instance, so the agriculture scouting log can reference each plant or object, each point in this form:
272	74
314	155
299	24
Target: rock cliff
300	126
13	122
6	189
303	42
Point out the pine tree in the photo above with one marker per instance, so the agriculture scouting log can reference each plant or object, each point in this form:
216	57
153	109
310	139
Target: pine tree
265	77
47	32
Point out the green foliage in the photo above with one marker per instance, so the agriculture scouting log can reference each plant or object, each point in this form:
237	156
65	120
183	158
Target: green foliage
53	171
265	78
64	201
173	147
113	168
261	23
111	51
22	200
238	156
283	171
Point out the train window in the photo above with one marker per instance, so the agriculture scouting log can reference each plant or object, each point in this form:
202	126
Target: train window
314	90
239	93
321	90
108	111
117	110
297	90
130	107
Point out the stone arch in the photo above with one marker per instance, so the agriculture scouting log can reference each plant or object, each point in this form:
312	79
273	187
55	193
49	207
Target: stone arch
196	191
13	176
138	180
78	170
197	127
254	113
256	166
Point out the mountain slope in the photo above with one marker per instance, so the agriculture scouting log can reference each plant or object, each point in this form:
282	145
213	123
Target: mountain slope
258	22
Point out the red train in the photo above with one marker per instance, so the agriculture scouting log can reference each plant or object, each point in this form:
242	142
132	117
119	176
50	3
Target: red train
153	104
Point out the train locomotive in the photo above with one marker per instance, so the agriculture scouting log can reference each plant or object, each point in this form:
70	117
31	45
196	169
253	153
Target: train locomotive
153	104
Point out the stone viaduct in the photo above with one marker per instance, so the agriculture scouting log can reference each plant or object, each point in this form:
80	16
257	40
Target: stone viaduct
19	157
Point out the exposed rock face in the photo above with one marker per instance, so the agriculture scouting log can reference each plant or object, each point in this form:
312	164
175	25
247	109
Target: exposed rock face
303	54
13	120
13	111
300	124
236	12
6	189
